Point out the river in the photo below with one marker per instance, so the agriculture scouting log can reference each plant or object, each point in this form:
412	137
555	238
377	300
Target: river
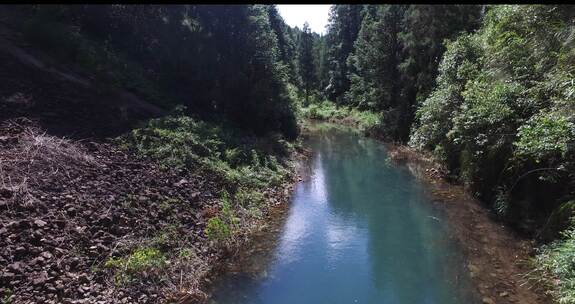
359	230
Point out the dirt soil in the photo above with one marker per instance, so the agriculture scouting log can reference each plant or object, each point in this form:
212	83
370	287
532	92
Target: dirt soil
497	256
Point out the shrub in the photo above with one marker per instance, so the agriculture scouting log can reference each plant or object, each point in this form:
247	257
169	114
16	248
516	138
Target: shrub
217	230
183	142
365	121
139	261
503	108
556	262
248	198
222	226
546	136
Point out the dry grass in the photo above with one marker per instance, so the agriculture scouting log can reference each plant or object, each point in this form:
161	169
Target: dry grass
27	155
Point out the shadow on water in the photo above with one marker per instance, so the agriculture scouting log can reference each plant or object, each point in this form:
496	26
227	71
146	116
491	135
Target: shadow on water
359	230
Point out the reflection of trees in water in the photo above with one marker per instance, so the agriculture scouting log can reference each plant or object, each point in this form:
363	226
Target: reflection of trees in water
408	259
401	238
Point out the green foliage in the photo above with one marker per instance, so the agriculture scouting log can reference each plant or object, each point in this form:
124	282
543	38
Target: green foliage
166	237
502	111
251	200
501	205
558	221
217	230
180	141
306	64
546	136
248	198
487	116
434	118
222	227
7	296
375	58
392	62
139	261
187	254
365	121
177	141
180	53
556	263
343	28
242	164
286	45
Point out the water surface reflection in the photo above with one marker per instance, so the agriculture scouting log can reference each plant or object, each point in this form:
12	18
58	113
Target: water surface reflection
358	231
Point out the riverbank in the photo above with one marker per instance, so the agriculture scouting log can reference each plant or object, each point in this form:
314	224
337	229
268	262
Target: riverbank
498	258
93	221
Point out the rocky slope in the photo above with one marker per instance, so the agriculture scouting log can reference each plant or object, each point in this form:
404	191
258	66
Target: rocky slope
68	207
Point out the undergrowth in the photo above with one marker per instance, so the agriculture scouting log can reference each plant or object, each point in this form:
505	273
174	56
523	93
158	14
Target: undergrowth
237	160
139	261
365	121
244	166
555	266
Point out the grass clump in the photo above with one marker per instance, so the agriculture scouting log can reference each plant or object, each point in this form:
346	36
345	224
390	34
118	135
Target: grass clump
141	260
217	229
222	227
248	198
7	297
251	200
167	238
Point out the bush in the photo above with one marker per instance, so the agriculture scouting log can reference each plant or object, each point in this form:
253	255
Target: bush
556	263
249	198
547	136
236	159
222	227
503	109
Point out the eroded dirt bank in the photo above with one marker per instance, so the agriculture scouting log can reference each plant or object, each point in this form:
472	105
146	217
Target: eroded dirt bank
497	256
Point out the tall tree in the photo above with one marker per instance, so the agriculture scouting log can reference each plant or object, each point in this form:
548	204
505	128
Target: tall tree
374	61
306	60
321	62
425	27
343	27
286	44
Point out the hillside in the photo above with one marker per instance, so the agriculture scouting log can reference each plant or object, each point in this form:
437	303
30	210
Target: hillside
87	216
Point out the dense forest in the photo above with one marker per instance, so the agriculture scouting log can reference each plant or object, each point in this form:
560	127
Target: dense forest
488	91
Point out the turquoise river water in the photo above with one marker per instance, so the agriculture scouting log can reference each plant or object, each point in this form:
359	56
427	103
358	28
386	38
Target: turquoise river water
358	230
